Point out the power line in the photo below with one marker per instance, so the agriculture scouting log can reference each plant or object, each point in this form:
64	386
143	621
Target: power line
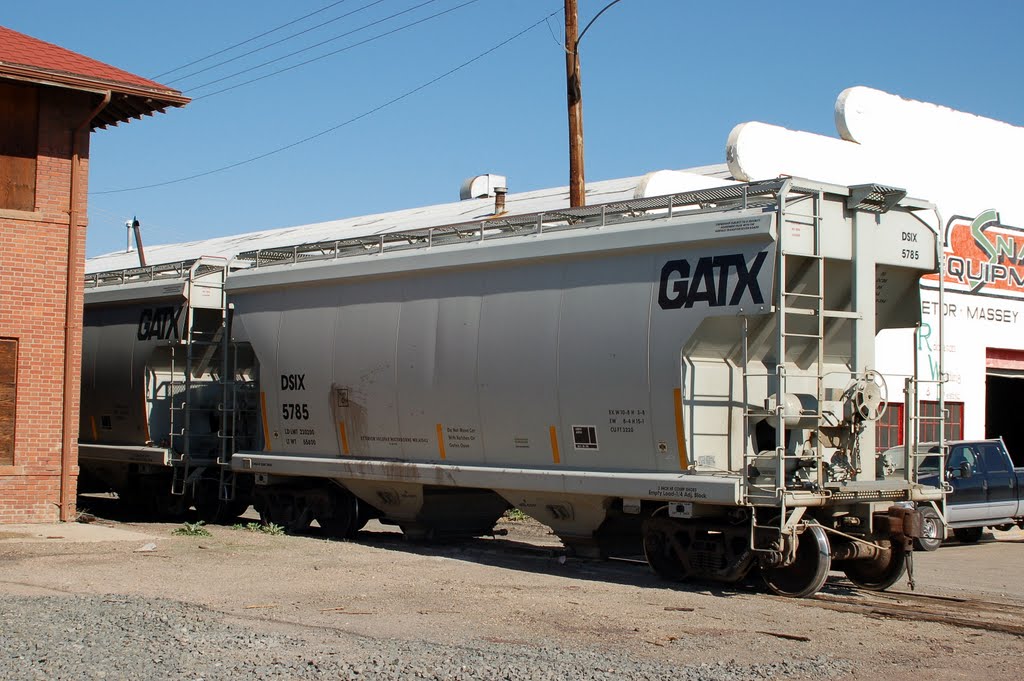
248	40
329	54
343	124
561	44
277	42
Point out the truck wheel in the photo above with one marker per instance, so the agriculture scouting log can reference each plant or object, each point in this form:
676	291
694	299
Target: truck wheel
968	535
879	573
808	572
933	531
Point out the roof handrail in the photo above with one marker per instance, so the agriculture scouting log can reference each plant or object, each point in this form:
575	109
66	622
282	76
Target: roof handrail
588	217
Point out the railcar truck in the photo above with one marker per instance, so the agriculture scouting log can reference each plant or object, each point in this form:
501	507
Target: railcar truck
691	375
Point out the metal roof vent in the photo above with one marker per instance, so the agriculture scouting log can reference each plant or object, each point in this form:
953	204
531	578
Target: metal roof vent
481	186
874	198
499	200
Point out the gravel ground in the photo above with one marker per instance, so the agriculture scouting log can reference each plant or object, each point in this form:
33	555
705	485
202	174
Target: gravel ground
117	637
144	603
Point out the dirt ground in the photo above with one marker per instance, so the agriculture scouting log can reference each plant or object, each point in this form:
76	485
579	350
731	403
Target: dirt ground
520	589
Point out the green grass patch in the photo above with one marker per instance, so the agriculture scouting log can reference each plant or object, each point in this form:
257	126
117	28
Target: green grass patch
268	528
515	515
195	529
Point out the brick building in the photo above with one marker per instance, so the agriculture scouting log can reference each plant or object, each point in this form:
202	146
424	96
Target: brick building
51	99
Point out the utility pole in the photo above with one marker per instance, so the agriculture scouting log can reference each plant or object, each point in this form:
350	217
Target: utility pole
574	99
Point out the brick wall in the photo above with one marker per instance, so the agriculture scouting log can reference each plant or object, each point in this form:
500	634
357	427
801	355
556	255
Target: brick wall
33	276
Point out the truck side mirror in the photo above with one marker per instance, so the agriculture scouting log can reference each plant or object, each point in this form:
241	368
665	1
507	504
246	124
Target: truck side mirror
965	470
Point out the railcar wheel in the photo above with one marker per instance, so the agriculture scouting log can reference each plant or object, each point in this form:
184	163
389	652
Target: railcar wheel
136	505
933	531
169	507
219	512
807	574
881	572
968	535
342	520
214	510
661	543
152	501
286	510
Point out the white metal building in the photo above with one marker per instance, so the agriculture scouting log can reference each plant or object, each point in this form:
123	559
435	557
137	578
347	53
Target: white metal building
968	166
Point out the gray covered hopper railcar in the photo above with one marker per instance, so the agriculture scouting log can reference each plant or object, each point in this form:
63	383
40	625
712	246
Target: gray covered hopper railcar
691	376
163	391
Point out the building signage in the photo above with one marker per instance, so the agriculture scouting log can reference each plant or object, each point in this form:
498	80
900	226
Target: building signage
983	257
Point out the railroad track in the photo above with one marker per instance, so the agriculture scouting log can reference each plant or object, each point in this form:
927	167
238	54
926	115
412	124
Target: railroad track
959	611
963	612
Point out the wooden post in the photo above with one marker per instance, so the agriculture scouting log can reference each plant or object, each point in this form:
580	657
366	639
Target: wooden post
574	99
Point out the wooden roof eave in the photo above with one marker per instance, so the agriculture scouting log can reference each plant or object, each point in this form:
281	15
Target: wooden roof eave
130	102
124	108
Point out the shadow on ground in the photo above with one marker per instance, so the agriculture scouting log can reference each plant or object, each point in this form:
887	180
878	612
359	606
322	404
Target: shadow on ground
536	553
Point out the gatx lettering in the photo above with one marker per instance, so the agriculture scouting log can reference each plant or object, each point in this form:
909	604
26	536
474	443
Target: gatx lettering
708	281
160	323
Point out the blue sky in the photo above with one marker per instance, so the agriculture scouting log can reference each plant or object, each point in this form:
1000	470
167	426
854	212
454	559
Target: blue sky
664	81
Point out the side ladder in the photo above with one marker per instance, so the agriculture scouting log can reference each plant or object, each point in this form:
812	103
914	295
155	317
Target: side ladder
765	475
197	448
238	412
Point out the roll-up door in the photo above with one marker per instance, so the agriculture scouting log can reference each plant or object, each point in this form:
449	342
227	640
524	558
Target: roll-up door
1004	387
